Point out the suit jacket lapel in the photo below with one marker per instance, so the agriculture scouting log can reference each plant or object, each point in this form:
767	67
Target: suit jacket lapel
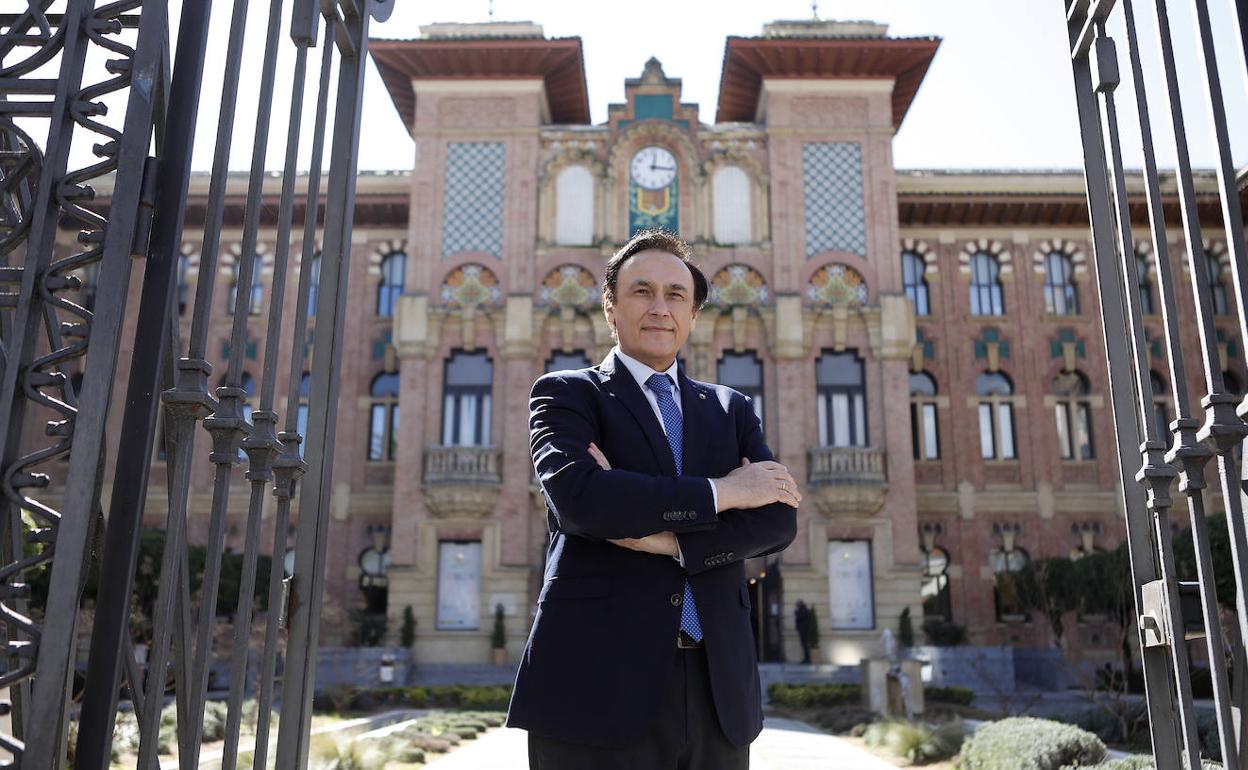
620	384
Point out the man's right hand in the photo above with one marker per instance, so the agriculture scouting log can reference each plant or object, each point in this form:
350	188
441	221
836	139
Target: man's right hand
754	485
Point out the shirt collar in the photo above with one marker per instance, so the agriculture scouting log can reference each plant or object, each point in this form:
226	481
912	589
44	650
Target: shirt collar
642	372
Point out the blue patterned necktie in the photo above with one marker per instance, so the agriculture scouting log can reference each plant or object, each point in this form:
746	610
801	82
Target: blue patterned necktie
661	384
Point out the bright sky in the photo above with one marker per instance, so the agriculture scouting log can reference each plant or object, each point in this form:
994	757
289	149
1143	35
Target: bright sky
998	94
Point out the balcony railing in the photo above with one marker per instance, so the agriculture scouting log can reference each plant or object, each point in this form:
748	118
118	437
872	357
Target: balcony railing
847	481
461	480
462	465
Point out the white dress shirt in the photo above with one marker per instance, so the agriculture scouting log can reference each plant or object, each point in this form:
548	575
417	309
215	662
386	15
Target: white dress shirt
642	373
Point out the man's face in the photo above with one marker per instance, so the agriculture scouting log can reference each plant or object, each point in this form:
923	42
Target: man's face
653	311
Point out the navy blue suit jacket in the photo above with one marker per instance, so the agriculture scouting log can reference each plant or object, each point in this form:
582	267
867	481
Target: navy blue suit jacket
603	643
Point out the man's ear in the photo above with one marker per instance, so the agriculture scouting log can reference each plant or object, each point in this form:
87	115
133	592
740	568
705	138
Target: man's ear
608	311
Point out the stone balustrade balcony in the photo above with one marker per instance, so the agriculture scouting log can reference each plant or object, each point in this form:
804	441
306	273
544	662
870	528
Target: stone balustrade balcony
462	481
847	481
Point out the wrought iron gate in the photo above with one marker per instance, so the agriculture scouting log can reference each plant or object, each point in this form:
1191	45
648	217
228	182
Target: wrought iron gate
1170	611
60	336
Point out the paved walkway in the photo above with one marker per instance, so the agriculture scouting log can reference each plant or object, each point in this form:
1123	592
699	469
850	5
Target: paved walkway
785	744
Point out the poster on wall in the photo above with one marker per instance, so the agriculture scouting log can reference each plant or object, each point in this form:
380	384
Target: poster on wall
850	592
459	586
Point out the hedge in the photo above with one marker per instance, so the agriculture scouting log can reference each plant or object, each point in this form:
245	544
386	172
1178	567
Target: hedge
813	695
1027	743
958	696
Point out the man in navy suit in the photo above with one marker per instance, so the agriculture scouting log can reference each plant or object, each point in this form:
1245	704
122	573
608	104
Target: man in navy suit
658	487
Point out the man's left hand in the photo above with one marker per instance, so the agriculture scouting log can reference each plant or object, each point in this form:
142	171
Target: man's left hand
660	543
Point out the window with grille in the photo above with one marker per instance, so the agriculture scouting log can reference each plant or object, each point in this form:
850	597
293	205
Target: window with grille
996	416
467	392
841	400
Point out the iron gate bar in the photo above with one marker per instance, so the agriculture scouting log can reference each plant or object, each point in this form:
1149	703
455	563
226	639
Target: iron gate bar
1191	474
292	744
1193	444
110	244
155	340
289	466
225	423
20	631
1157	685
260	444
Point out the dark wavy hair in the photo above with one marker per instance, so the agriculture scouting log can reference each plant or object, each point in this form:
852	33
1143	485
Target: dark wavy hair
663	240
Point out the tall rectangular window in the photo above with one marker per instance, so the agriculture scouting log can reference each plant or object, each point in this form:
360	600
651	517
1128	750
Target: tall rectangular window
841	401
467	388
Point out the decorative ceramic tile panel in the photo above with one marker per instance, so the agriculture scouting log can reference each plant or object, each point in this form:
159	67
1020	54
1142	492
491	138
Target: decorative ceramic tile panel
832	185
738	284
472	212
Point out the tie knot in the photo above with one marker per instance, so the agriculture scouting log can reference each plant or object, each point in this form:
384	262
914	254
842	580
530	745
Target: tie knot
661	384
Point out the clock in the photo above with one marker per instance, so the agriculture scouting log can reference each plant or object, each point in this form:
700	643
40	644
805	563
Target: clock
653	167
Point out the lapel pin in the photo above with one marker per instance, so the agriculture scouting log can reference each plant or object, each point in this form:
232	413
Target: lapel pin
702	396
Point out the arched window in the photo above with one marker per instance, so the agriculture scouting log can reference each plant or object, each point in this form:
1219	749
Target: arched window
1074	416
314	282
730	197
1006	588
559	362
383	416
1144	281
1161	407
841	400
301	417
912	277
257	288
925	436
574	207
467	393
393	267
743	372
986	298
996	416
1217	285
1060	297
934	589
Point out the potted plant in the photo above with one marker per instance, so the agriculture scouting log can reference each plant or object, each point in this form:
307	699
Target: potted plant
814	637
498	639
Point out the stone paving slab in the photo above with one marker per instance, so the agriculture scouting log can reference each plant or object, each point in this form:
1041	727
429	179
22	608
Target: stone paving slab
784	744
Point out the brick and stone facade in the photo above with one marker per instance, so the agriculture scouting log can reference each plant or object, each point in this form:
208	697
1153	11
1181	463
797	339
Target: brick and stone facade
494	240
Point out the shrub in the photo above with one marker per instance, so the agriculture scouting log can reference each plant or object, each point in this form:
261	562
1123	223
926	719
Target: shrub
498	637
407	631
814	629
1102	722
917	742
813	695
842	720
905	629
1026	743
1145	762
958	696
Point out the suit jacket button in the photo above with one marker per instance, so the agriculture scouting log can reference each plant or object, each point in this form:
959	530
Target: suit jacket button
675	600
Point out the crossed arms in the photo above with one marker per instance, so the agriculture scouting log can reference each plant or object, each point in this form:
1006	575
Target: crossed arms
756	502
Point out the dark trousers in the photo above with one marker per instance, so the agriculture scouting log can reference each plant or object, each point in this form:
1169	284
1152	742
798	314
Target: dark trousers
685	734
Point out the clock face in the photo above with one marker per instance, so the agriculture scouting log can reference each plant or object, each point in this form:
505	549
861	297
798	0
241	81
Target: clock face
653	167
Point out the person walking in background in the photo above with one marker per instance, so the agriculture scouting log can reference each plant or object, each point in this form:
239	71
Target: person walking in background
802	616
658	488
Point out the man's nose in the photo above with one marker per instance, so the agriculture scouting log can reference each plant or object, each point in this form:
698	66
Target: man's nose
659	307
